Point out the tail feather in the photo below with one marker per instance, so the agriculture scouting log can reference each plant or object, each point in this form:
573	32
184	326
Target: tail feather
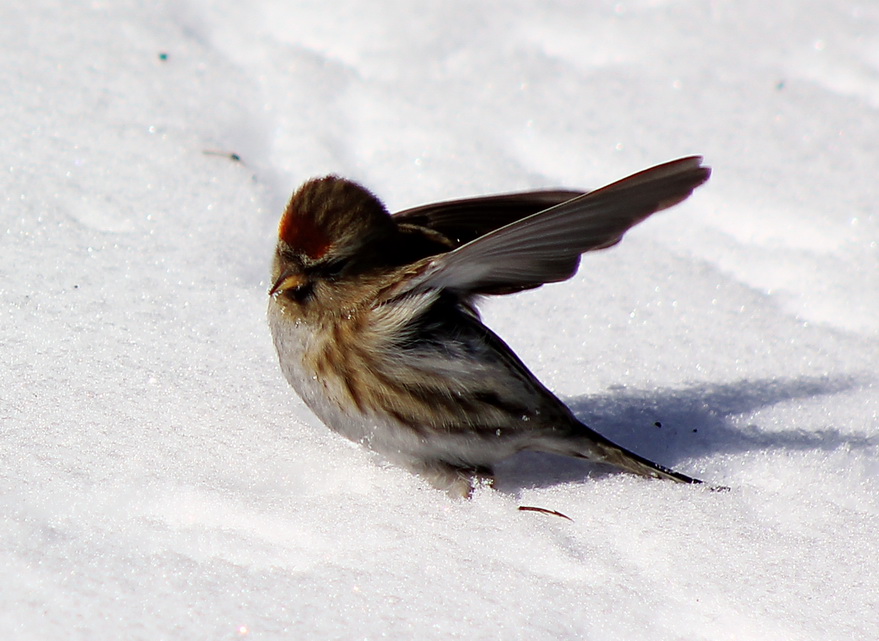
630	462
592	446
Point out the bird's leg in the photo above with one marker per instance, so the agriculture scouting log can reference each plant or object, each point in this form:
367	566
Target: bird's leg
457	482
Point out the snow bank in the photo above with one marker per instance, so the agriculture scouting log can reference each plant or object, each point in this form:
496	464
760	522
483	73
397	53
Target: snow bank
161	481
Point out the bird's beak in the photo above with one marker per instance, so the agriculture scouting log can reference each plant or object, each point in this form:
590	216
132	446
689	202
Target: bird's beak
287	281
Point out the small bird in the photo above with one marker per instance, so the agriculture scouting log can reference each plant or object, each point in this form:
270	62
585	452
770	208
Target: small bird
375	323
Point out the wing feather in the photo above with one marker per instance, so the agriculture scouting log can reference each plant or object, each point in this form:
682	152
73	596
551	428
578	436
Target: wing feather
546	246
461	221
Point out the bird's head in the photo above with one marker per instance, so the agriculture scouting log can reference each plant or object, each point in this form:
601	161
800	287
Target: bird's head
332	232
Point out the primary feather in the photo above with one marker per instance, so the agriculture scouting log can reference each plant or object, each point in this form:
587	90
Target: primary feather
545	247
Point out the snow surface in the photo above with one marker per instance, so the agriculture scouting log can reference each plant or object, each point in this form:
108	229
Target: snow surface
160	480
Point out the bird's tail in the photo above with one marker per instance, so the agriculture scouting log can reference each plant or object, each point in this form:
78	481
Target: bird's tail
592	446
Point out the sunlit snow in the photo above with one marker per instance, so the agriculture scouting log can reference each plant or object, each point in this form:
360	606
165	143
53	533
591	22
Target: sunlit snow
161	481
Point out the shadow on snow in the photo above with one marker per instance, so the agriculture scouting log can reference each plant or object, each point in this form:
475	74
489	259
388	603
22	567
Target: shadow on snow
670	426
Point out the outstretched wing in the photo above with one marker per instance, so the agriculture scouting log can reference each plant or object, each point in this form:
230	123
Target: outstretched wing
545	247
461	221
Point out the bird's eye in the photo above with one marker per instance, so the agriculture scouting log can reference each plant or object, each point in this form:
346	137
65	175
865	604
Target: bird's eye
300	294
333	269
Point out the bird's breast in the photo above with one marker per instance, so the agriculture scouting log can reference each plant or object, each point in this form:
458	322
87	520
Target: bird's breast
320	371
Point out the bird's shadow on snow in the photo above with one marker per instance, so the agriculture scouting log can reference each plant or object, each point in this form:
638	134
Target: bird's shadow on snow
671	426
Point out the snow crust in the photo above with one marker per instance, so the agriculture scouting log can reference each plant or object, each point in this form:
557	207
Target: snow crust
160	480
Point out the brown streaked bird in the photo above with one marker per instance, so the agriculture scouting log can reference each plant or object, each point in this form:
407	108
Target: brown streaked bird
374	318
